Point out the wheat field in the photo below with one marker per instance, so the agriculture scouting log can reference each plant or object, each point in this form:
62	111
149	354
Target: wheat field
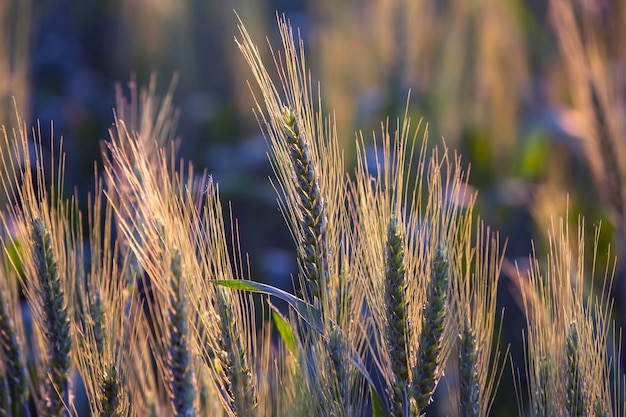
394	304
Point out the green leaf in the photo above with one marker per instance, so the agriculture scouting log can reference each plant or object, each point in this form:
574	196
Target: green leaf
309	313
378	407
285	331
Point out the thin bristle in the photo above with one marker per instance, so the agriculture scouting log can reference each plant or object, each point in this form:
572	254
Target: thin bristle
56	320
427	370
396	307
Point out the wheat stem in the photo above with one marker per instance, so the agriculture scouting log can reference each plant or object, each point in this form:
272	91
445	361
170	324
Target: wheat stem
425	375
56	320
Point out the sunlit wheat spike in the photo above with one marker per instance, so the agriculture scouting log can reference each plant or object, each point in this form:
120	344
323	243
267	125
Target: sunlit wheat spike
576	401
56	320
396	326
469	395
312	206
11	356
179	356
237	370
425	376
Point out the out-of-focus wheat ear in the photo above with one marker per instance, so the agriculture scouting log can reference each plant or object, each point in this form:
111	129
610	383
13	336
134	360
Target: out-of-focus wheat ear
5	400
427	373
152	404
236	368
612	173
111	393
312	209
396	320
179	357
540	396
338	353
599	409
208	401
96	310
57	322
469	395
11	357
576	401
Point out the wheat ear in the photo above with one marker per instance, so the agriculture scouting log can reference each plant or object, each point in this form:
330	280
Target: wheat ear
469	395
5	400
238	373
11	354
541	397
96	311
425	374
613	186
179	359
57	323
111	393
396	312
312	207
576	396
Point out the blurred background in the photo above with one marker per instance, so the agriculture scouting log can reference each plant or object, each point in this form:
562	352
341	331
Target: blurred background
532	93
